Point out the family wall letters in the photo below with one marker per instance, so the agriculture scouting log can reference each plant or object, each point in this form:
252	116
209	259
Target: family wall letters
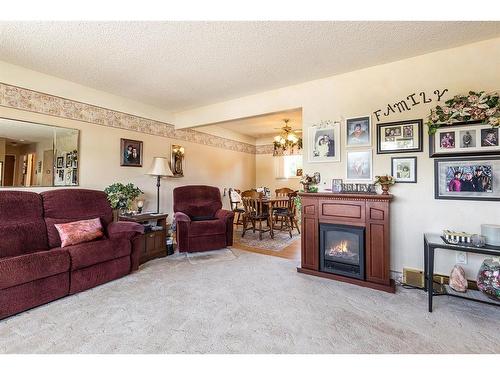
409	102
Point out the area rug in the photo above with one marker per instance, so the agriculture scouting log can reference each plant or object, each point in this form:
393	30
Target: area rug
280	241
221	255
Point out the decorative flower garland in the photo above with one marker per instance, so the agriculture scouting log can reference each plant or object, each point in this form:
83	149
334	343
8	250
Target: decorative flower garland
461	108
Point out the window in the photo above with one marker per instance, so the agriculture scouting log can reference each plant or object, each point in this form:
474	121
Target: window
287	166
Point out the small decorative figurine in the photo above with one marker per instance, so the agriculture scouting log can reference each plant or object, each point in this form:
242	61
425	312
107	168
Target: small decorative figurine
310	182
458	282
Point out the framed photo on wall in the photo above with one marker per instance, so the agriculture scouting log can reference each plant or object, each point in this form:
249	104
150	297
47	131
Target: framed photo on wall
324	143
358	132
469	178
69	160
404	169
359	165
472	139
130	153
60	162
400	136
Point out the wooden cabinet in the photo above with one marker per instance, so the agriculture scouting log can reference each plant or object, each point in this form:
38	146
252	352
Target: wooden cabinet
154	241
369	211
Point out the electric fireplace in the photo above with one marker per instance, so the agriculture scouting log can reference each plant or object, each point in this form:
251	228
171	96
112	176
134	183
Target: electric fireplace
342	250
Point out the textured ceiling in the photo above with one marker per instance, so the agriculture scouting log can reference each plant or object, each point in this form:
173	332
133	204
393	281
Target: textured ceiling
264	125
180	65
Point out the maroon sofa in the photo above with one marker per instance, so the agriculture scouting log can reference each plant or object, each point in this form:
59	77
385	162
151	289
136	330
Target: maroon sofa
201	222
34	269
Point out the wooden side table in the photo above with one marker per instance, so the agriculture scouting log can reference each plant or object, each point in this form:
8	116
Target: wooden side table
154	241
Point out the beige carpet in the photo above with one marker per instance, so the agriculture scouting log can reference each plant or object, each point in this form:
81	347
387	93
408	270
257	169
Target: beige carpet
201	257
252	304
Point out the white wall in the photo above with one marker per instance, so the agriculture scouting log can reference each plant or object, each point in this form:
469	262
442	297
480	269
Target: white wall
414	210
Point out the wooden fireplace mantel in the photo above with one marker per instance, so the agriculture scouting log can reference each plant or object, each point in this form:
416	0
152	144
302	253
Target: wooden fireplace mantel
370	211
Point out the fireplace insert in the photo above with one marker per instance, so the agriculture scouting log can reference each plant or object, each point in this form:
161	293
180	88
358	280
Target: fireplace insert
342	250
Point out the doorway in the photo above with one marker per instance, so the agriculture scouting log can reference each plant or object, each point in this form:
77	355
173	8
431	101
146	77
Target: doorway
9	169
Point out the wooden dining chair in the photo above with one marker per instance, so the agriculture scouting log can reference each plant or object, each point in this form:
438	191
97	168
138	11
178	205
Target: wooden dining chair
283	192
235	206
288	215
255	211
281	205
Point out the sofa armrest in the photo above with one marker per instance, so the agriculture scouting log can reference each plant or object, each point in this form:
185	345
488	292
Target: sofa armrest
228	218
131	231
224	215
181	217
126	229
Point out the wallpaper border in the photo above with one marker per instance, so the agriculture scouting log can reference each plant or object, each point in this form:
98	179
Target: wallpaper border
38	102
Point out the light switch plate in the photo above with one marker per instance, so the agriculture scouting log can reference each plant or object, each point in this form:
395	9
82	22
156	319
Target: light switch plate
461	257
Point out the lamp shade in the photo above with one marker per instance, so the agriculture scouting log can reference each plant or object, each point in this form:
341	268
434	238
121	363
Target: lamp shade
160	167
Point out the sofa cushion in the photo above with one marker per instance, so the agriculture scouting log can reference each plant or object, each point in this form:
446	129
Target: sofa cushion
22	228
204	228
67	205
29	267
79	231
90	253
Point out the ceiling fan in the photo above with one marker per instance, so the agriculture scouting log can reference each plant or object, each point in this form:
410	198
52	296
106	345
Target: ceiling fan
287	140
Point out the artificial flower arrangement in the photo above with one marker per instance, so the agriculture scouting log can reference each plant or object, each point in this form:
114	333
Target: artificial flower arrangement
121	196
480	106
385	182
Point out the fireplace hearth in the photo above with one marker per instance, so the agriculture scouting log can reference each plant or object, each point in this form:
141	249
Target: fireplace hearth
346	237
342	250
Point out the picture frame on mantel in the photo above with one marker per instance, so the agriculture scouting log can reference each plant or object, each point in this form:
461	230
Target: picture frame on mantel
400	136
473	138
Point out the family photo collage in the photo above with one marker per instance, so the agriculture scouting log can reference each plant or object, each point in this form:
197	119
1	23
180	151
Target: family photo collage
463	169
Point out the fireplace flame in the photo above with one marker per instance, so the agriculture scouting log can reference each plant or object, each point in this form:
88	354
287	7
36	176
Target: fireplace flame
340	249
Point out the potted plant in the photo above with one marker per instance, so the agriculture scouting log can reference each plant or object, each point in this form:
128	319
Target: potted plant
121	196
384	182
298	205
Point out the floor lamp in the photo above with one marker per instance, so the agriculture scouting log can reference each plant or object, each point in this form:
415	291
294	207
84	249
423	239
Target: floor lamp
159	168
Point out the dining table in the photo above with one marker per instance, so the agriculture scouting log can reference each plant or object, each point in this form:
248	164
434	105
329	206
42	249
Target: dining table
271	203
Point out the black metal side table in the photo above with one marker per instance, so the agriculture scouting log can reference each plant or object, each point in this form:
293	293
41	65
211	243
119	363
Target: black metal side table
435	241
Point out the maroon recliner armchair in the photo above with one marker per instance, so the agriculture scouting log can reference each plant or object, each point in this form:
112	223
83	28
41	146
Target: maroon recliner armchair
34	269
201	222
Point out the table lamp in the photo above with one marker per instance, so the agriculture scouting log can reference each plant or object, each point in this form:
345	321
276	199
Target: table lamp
159	168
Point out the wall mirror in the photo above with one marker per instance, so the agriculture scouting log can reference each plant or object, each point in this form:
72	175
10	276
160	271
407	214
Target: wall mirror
34	154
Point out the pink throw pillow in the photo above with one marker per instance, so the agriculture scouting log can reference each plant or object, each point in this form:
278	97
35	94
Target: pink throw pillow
79	231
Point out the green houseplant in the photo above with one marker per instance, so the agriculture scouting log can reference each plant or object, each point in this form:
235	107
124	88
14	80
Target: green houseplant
298	205
121	196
